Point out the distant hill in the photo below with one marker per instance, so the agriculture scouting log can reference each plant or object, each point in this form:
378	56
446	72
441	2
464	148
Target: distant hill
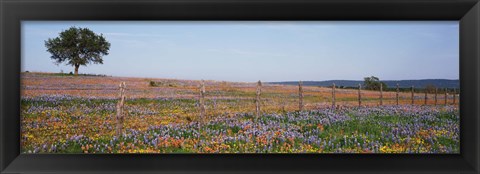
440	83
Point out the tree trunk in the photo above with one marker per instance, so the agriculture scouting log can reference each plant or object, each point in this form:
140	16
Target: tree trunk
76	69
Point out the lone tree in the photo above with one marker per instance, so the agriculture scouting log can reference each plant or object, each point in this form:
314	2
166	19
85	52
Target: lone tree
78	46
373	83
430	88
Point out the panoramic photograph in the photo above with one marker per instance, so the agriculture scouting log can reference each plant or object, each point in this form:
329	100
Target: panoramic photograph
262	87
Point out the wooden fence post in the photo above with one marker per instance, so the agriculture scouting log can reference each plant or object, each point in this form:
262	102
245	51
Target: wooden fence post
202	100
333	96
426	97
381	94
120	117
397	93
454	95
300	96
446	96
257	100
413	95
359	95
436	92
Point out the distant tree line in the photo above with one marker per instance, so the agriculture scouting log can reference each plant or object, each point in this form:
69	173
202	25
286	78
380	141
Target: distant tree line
373	83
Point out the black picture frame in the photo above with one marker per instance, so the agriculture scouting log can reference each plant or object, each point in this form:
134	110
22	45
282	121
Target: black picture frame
14	11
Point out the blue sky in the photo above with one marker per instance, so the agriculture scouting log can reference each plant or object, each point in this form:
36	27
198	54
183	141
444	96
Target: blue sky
263	50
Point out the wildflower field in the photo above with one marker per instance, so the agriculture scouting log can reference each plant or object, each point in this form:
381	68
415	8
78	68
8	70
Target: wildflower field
66	114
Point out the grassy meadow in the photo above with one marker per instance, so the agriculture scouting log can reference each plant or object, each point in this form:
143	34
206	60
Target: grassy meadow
67	114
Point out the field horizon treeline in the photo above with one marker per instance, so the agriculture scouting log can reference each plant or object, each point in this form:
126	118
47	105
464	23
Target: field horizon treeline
418	83
347	84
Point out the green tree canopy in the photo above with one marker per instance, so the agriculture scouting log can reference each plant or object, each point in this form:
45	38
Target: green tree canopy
373	83
78	46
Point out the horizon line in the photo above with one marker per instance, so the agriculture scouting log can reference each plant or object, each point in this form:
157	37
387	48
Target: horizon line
283	81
